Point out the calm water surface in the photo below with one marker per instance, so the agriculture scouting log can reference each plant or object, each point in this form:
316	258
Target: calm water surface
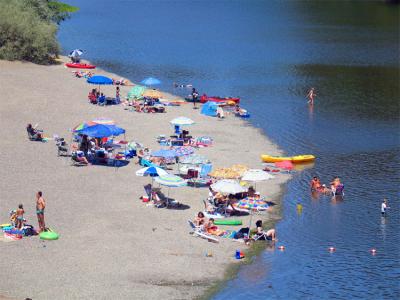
269	53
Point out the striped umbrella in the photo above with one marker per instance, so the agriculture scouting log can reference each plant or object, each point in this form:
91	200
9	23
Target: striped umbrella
171	180
103	121
152	94
183	150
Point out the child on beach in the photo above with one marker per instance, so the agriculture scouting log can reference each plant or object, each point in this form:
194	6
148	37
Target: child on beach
19	216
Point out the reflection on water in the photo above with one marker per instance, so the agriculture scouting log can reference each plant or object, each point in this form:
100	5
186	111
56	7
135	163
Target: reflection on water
270	53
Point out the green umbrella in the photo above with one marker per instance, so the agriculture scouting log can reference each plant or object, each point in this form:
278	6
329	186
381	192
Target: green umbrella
136	92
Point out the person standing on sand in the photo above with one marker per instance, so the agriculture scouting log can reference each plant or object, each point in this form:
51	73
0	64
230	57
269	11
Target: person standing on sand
20	216
40	206
310	96
195	96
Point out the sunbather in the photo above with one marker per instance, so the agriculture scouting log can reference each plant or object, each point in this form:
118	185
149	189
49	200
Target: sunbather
20	216
80	157
200	219
211	228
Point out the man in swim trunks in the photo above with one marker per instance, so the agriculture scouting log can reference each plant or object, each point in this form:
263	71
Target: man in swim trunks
40	206
315	184
20	216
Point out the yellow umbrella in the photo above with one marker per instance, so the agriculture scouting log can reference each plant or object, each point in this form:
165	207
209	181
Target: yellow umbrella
224	173
239	169
152	94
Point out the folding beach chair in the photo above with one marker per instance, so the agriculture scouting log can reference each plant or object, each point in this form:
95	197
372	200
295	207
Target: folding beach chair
198	231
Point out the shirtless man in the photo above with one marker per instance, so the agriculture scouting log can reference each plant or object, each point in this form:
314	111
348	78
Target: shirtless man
40	206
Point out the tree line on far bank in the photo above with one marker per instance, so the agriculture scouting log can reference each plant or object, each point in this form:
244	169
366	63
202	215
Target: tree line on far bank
28	29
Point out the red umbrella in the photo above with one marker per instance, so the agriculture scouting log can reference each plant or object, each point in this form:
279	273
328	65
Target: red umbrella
286	164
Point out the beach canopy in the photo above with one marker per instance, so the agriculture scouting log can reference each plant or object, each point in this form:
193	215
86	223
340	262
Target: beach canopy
166	153
100	80
152	94
150	81
256	175
136	92
151	171
171	180
101	131
228	186
209	109
181	121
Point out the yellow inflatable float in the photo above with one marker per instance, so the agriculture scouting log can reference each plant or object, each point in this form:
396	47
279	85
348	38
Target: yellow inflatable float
294	159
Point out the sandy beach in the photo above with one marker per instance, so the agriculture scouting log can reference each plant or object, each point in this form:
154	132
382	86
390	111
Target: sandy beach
111	246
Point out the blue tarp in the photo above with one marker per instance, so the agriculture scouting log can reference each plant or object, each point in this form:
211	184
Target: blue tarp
100	131
209	109
98	79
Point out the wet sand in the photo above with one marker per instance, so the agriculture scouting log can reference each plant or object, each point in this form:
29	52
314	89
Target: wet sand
111	246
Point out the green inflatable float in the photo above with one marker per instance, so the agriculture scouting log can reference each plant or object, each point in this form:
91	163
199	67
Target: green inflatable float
228	222
48	235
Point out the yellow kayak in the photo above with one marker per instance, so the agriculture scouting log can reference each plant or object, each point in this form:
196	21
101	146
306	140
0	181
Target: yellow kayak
293	159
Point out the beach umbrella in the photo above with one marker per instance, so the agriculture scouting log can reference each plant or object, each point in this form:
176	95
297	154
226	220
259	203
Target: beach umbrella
150	81
76	53
239	168
167	153
252	204
225	173
194	159
136	92
152	94
170	180
228	186
182	121
255	175
84	125
151	171
101	131
100	80
183	150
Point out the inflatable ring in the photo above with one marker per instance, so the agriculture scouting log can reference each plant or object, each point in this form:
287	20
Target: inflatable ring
48	235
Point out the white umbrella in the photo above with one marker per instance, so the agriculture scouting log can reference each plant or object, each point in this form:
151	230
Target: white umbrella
228	186
256	175
181	121
151	171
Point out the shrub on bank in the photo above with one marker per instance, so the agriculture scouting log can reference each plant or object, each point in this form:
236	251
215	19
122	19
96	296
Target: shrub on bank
28	29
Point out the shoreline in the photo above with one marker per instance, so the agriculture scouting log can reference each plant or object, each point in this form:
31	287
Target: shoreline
232	136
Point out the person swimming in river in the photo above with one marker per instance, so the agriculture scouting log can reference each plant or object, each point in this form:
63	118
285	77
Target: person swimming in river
310	96
176	85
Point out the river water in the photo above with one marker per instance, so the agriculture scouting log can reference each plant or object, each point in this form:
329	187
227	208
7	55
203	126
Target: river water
270	53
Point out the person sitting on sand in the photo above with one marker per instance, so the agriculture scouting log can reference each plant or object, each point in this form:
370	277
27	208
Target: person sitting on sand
80	156
200	219
251	192
220	112
269	234
34	134
211	228
19	214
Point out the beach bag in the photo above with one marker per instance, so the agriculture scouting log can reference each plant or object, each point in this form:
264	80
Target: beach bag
28	230
241	233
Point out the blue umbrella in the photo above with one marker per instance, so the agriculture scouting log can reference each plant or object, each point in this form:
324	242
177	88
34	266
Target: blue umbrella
151	171
101	131
164	153
76	53
100	80
151	81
